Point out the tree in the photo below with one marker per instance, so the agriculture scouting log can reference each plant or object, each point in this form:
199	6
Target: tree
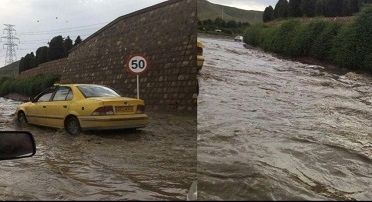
22	65
77	41
349	7
319	7
333	8
219	22
294	8
268	14
308	8
67	44
56	49
42	55
32	60
281	9
231	24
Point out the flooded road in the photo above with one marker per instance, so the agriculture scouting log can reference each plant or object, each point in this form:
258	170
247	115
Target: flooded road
274	129
154	163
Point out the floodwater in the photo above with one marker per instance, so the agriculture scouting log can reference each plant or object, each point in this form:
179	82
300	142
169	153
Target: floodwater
275	129
154	163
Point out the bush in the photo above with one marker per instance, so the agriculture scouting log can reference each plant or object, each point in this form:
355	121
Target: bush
321	48
363	27
29	86
283	36
344	48
252	35
344	44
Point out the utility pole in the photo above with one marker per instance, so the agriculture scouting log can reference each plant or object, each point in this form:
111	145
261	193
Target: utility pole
9	35
222	12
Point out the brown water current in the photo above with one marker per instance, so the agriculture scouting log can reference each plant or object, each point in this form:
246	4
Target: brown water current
154	163
275	129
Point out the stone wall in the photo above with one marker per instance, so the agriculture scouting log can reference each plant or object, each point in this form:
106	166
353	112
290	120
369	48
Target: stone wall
52	67
165	33
10	70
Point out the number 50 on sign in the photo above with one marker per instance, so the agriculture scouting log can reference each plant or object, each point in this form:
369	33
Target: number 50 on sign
137	64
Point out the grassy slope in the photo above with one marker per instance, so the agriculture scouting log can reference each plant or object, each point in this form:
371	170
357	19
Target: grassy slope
207	10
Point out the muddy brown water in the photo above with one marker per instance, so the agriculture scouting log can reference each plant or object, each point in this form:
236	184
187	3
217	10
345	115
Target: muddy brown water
274	129
154	163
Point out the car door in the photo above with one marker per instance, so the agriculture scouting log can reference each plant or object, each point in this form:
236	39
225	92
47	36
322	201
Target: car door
36	111
57	109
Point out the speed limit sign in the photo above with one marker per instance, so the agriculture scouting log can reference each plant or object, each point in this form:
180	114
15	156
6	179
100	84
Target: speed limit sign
137	64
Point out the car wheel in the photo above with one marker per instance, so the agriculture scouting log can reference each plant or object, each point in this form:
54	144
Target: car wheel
72	126
21	118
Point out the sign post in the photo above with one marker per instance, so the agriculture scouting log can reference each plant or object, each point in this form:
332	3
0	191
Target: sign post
137	64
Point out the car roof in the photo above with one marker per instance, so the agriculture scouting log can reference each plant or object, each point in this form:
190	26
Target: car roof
69	85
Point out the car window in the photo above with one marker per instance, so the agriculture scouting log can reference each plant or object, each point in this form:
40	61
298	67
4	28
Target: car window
69	95
97	91
46	97
61	94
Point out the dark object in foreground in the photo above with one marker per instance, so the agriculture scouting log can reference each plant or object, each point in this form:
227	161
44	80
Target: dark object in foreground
16	145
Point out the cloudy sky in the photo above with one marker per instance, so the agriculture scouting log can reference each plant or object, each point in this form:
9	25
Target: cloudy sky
37	21
259	5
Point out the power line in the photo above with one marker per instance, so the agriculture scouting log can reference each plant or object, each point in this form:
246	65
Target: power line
78	28
10	37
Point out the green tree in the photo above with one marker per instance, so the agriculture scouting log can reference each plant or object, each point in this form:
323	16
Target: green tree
232	24
67	44
308	7
319	7
56	48
349	7
42	55
268	14
22	65
219	22
333	8
294	8
33	62
77	41
281	9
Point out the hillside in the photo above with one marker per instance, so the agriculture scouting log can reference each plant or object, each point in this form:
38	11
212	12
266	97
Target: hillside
207	10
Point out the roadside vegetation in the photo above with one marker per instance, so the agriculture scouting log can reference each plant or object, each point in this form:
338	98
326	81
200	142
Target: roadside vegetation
29	86
312	8
343	43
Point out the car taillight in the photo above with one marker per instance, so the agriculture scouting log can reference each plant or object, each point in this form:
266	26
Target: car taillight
107	110
140	109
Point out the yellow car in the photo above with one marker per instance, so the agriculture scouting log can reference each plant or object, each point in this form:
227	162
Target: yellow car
77	107
200	57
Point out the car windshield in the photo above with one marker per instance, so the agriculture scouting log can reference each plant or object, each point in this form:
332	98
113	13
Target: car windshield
97	91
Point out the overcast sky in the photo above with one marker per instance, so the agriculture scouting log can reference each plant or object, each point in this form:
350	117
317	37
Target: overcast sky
37	21
258	5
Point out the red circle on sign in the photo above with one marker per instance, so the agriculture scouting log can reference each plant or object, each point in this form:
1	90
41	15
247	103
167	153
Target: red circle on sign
136	57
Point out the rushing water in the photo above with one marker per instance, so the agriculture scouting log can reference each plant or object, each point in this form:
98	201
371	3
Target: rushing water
155	163
270	128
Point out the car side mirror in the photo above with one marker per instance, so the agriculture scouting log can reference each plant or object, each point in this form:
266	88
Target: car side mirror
16	145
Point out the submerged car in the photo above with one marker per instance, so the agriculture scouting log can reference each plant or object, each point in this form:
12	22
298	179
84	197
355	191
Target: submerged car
77	107
239	38
200	57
